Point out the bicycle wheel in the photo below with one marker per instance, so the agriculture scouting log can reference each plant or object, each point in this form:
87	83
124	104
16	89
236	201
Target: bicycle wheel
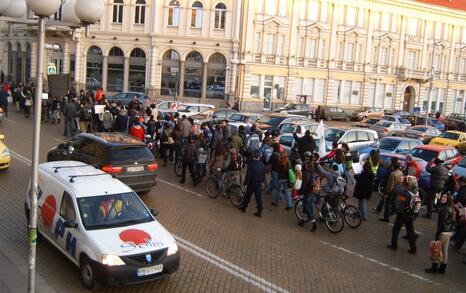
212	187
352	216
334	220
178	167
235	195
299	211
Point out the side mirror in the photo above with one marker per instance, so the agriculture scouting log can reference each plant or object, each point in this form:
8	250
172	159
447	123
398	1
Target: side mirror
154	213
71	224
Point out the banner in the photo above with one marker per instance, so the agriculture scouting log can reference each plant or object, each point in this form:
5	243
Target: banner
58	85
320	131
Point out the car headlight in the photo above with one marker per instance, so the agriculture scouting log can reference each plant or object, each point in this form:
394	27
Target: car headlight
5	153
172	249
111	260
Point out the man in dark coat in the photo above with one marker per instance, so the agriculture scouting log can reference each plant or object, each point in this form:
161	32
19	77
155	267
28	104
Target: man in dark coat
189	158
255	176
305	143
69	112
4	101
438	178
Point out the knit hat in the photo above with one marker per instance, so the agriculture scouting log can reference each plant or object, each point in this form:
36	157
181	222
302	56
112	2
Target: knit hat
297	167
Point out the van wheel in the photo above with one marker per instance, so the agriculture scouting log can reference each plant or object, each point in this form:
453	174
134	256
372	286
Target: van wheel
88	275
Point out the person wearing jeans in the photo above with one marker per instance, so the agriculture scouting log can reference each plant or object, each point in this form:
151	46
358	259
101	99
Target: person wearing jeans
363	188
282	185
309	191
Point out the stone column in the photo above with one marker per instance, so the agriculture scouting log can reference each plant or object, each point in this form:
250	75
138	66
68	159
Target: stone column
401	49
204	81
77	65
23	66
126	75
66	58
15	66
181	79
104	73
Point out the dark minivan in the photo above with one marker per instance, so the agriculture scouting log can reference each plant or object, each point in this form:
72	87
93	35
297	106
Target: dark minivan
115	153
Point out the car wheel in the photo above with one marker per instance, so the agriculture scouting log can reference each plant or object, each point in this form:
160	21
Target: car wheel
88	275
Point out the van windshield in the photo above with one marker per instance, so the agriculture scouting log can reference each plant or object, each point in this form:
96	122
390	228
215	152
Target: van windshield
113	210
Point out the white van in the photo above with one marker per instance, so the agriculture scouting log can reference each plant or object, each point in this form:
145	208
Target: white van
101	225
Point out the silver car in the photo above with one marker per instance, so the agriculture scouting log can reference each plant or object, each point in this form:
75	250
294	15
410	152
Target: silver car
299	126
422	132
288	142
395	118
356	138
388	128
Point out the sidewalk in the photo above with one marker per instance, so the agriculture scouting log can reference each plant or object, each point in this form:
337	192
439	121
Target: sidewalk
14	272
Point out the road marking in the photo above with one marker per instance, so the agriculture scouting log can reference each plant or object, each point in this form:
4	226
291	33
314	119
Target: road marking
223	264
9	120
179	187
229	267
393	268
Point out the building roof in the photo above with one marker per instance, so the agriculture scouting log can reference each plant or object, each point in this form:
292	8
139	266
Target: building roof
452	4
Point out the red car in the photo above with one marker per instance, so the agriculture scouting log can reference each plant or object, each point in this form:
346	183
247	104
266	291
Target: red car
450	155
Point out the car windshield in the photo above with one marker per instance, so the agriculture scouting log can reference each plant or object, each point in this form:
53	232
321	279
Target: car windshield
421	129
462	163
404	121
384	123
389	144
449	135
426	155
288	128
237	117
183	108
289	106
130	155
372	121
271	120
333	134
112	210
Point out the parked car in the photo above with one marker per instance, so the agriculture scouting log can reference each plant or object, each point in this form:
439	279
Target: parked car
115	153
247	118
5	158
190	109
421	120
428	153
399	113
101	225
399	145
367	112
402	120
167	106
126	97
424	133
213	115
455	121
451	138
288	142
356	138
272	121
366	123
291	125
460	168
334	113
296	109
92	83
387	128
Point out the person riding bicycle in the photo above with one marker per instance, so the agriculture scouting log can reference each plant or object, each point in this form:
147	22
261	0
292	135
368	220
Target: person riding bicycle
308	190
218	158
234	163
335	182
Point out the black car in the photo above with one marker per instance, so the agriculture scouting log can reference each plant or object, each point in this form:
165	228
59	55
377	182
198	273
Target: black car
115	153
296	109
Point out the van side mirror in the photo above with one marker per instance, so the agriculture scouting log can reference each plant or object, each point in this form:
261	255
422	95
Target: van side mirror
154	213
71	224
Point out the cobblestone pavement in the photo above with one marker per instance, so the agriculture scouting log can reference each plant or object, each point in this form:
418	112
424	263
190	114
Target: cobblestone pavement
223	250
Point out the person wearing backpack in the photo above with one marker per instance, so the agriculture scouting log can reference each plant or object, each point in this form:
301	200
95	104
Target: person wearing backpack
308	189
363	188
406	204
283	181
84	117
394	179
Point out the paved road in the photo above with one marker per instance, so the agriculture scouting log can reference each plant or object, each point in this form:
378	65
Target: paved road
225	250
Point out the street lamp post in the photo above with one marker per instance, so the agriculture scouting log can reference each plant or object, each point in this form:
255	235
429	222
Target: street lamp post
431	79
88	11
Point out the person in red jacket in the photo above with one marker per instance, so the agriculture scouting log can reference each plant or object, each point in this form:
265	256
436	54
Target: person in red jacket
412	168
137	131
99	95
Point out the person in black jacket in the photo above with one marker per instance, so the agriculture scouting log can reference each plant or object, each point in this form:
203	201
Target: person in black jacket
445	225
308	189
189	158
255	176
438	178
305	143
363	188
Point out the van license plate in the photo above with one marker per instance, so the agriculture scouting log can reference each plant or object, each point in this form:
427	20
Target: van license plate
135	169
150	270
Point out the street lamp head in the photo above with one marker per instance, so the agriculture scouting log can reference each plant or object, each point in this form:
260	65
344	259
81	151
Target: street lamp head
68	12
44	8
4	5
89	11
16	9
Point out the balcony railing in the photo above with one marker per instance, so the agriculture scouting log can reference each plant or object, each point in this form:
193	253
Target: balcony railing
300	61
270	59
257	58
407	73
312	63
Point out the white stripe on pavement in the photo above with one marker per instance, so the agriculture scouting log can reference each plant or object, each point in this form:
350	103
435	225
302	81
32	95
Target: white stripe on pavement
179	187
9	120
204	254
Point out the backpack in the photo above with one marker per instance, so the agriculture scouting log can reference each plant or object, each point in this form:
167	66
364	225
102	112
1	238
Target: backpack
84	114
402	199
338	186
266	152
253	142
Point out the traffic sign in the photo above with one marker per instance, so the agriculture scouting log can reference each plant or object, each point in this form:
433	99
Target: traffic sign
51	69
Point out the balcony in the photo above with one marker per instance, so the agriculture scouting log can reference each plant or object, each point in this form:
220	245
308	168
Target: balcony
257	58
416	74
312	63
300	61
269	59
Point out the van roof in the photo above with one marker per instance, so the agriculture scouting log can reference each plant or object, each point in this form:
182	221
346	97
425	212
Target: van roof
89	181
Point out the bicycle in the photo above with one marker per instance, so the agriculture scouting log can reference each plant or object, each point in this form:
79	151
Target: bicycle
220	182
351	213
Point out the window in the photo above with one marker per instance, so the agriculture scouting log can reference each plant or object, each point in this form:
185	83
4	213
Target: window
363	136
170	73
322	49
312	48
220	14
374	55
394	23
115	70
313	10
94	67
137	70
279	87
357	55
412	26
323	11
385	25
257	46
216	73
411	59
336	90
283	7
392	57
308	86
438	30
349	52
351	137
269	44
196	15
301	47
67	211
345	98
351	16
356	93
383	56
297	86
462	66
360	17
140	12
255	84
174	13
271	7
117	11
281	45
193	75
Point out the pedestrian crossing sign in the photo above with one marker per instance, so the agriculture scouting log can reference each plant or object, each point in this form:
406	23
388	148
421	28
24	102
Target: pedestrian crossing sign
51	69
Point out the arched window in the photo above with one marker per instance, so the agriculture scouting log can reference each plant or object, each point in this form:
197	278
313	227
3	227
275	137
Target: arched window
220	14
196	15
193	75
174	13
94	67
216	72
140	12
170	73
117	11
19	64
115	72
57	57
137	70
